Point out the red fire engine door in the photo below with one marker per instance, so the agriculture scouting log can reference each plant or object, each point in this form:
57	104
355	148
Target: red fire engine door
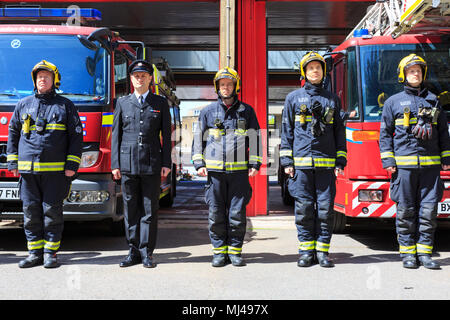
252	67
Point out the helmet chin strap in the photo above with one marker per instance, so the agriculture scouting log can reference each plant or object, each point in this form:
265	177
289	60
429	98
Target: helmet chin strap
233	95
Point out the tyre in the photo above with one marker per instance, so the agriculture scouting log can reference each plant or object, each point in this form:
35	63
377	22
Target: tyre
340	222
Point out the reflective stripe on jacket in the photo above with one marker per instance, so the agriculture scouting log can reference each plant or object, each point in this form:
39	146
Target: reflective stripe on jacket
57	147
227	139
398	146
299	148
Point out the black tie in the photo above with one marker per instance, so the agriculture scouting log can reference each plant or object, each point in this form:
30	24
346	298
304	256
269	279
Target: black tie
141	100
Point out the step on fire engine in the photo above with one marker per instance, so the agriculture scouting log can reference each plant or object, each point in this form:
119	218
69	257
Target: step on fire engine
364	75
93	63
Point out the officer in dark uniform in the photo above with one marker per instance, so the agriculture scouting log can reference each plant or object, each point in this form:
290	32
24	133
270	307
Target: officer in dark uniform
226	148
312	146
44	146
139	159
415	146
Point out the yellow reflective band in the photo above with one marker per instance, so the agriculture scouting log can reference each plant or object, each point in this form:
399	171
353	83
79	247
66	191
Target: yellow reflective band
52	245
55	126
307	245
73	158
307	118
239	165
429	160
214	164
218	250
216	132
320	246
255	158
234	250
107	119
12	157
285	153
48	166
51	126
33	245
324	162
303	162
422	248
24	165
387	154
445	153
399	122
198	156
341	154
408	249
240	132
406	160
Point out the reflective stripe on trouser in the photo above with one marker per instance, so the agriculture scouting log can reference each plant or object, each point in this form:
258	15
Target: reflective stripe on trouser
42	196
227	195
314	192
416	192
140	209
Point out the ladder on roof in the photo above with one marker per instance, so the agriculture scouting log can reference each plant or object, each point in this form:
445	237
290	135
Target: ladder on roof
164	80
397	17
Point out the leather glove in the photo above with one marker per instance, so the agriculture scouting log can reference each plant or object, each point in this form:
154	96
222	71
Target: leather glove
423	129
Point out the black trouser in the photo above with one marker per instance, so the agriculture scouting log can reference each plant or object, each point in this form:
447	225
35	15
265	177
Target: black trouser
141	203
227	195
314	192
416	192
42	196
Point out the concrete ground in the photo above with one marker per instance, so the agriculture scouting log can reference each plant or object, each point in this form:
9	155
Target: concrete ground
367	263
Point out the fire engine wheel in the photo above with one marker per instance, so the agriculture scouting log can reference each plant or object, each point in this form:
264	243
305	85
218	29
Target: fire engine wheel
340	221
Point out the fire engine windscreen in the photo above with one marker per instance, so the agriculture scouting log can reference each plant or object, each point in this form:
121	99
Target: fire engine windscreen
84	72
379	79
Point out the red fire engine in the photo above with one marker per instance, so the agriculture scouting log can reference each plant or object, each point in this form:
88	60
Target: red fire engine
93	63
364	75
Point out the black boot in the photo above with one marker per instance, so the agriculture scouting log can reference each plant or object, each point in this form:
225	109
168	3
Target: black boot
50	260
428	263
149	262
305	260
236	260
324	260
219	260
34	259
131	260
410	262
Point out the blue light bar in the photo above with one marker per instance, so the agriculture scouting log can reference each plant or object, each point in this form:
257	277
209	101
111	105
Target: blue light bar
49	13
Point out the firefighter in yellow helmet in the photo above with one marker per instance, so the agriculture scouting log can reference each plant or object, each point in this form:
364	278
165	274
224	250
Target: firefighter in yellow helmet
227	149
312	147
415	146
44	146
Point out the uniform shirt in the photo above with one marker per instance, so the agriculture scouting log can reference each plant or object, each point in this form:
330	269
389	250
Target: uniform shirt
299	148
58	148
398	146
136	146
227	139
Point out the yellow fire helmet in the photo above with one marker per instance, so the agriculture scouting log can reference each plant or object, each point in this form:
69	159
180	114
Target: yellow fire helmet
307	58
45	65
229	74
409	61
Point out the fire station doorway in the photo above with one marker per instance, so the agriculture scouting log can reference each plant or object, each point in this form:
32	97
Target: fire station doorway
268	40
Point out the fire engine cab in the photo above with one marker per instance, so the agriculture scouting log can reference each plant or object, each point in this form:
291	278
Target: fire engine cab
93	63
364	75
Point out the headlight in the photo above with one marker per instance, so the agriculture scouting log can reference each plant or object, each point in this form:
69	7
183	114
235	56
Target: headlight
370	195
88	196
89	158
